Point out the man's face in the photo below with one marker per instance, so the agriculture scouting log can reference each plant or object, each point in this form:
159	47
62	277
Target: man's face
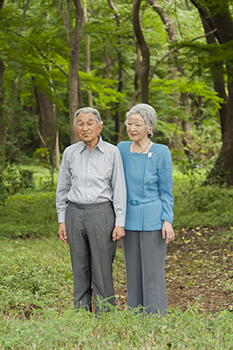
87	128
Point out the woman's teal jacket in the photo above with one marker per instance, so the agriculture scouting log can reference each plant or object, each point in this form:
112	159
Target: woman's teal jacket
149	187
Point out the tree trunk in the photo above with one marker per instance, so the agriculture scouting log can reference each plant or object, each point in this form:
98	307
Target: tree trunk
144	51
74	63
218	78
117	106
107	64
136	93
227	147
46	122
120	73
167	21
2	135
176	141
88	55
2	68
74	42
217	15
57	152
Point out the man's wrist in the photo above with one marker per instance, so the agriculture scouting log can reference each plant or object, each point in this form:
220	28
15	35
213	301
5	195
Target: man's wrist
120	222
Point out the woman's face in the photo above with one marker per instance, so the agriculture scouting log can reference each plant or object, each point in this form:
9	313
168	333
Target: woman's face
136	127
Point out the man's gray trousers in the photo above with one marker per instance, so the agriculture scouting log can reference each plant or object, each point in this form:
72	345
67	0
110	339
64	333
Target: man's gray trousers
89	230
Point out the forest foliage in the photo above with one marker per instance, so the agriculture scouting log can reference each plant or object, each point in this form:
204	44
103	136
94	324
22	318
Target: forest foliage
43	45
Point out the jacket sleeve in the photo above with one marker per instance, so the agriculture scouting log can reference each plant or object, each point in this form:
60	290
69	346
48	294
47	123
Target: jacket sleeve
165	182
119	189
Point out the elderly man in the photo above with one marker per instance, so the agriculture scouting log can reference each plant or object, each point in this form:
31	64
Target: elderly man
91	202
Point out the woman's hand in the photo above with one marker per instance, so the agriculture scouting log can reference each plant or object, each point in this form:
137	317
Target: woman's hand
167	232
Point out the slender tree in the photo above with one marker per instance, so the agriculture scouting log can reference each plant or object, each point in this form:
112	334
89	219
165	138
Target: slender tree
117	116
88	55
144	51
217	15
2	67
74	43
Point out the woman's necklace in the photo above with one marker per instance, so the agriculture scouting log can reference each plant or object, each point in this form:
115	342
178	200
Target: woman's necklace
143	150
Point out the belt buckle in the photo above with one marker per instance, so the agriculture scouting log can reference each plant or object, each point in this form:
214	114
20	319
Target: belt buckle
134	202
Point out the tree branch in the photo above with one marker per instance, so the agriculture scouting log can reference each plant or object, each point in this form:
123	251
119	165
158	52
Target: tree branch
176	49
165	19
42	54
66	21
117	15
55	65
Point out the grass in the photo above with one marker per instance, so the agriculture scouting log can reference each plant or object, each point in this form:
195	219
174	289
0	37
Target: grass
115	330
36	305
34	272
30	214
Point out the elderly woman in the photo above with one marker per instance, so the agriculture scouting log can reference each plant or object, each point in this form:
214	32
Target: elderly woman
149	215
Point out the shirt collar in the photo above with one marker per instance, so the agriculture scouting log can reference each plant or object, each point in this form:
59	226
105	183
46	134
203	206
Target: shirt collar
100	145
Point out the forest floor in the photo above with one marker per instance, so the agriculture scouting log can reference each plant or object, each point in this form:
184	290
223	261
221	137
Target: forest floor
199	271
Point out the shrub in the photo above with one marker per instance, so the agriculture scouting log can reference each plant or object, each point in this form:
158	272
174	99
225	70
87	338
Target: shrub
30	214
202	206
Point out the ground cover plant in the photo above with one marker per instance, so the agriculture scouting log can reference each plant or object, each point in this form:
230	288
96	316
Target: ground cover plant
36	299
119	331
32	213
36	302
29	215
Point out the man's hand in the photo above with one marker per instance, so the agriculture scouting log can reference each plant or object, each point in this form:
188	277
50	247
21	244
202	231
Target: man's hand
167	232
62	232
118	233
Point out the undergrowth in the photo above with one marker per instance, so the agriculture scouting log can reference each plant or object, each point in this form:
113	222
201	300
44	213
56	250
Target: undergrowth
118	330
29	215
36	305
34	273
33	214
198	205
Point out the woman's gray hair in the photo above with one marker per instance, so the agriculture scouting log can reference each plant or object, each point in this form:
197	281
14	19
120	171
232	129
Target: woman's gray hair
147	112
86	110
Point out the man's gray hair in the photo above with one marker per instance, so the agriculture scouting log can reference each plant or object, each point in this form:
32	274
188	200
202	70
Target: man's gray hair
147	112
86	110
